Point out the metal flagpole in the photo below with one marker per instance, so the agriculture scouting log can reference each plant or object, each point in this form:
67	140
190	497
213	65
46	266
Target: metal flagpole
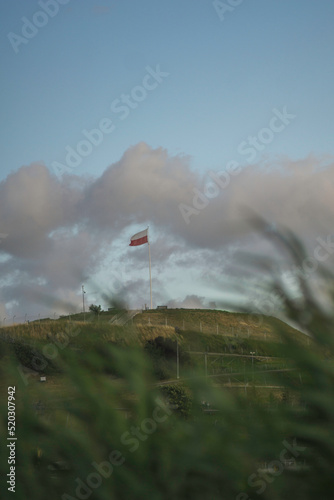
149	260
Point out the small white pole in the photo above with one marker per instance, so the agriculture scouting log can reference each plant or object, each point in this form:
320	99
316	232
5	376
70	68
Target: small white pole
149	259
177	359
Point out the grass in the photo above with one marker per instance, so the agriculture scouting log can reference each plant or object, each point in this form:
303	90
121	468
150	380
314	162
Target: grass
238	325
204	327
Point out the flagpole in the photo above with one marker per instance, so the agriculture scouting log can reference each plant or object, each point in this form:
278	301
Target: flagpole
149	261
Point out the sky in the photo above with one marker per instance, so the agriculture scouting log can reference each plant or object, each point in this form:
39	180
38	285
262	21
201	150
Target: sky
187	116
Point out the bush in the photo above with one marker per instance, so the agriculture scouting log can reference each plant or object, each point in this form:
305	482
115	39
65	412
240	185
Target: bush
179	398
163	353
33	358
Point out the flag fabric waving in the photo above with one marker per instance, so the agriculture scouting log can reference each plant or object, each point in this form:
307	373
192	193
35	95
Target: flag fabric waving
139	239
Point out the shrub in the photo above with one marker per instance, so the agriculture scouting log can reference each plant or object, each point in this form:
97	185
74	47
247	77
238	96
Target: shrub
33	358
179	398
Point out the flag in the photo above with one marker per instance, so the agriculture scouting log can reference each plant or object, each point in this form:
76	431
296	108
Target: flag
139	239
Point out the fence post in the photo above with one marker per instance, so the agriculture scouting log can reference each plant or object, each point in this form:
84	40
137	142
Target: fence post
177	359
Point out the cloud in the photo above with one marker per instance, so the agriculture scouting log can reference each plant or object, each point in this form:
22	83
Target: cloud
32	204
146	184
61	230
192	302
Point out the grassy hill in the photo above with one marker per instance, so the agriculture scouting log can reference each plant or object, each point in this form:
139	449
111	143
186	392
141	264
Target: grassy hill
94	394
249	411
218	322
195	331
203	325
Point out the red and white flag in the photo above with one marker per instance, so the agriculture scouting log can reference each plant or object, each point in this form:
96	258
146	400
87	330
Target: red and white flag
139	239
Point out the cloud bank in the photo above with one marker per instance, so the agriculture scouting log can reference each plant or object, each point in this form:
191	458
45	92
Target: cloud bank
60	230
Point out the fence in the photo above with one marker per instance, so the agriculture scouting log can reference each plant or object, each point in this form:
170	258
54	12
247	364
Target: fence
240	331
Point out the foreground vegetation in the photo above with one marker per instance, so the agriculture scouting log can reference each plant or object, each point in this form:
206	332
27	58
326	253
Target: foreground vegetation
112	421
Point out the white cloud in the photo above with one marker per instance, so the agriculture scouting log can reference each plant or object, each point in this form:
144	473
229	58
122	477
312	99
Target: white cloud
61	230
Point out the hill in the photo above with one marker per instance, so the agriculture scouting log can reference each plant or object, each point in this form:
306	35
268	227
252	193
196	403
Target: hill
233	324
200	321
195	331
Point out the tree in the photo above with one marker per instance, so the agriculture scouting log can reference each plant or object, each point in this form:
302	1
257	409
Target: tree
95	309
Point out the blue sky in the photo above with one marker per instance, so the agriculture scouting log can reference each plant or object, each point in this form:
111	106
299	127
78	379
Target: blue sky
223	79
